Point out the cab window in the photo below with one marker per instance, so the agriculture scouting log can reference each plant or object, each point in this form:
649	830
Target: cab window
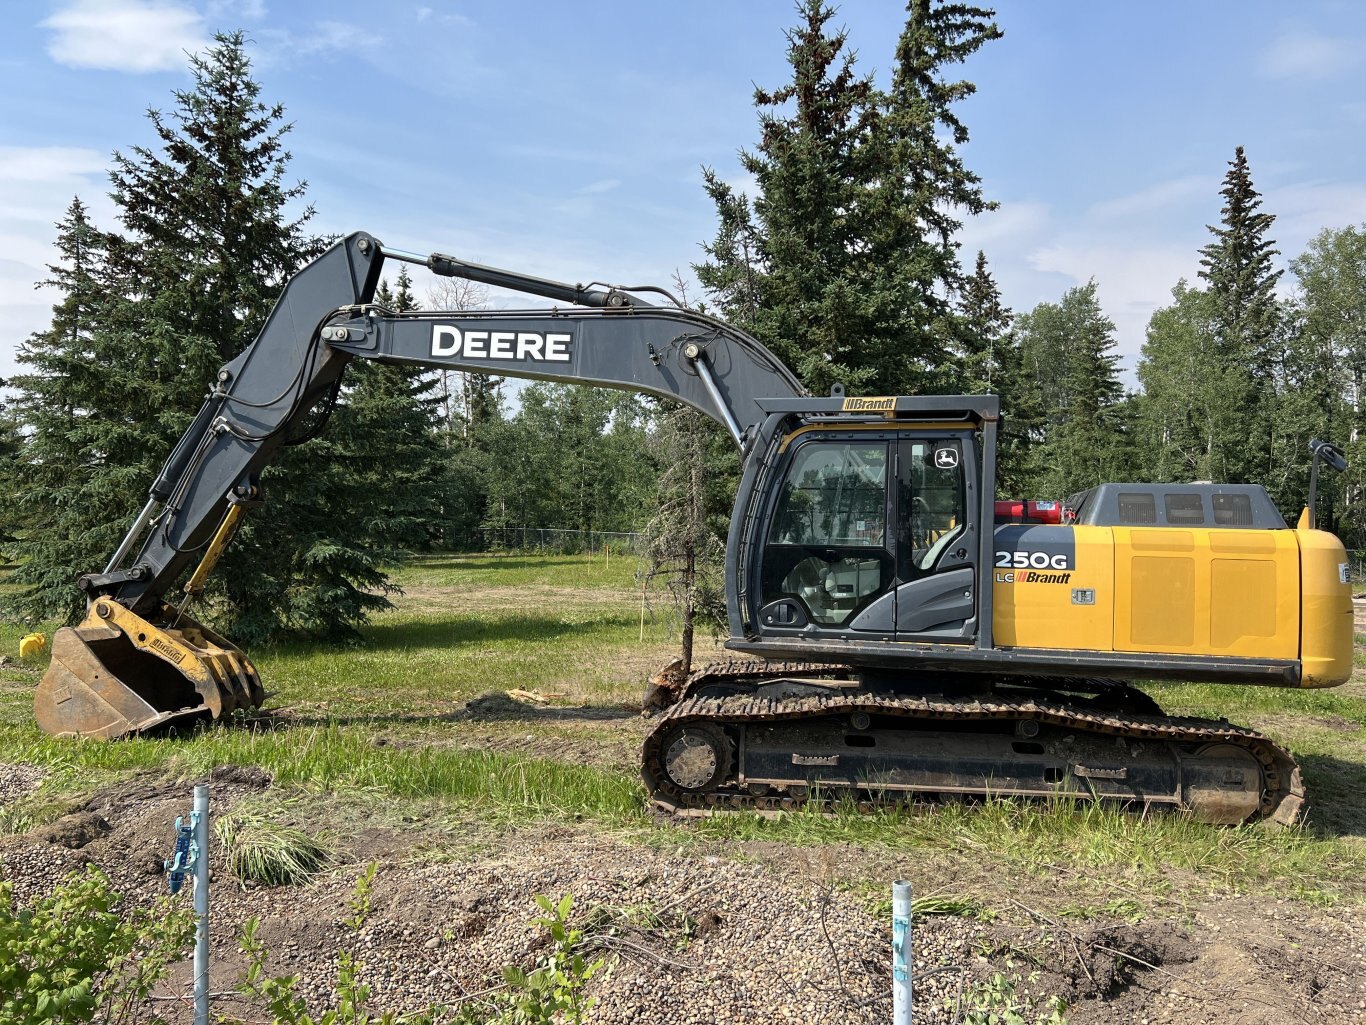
827	545
933	502
834	496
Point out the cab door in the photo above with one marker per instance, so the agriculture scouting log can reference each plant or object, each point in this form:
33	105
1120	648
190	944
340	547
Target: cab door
829	551
935	598
871	535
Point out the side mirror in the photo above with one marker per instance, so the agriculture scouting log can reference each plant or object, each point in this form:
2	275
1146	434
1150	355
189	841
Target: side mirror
1333	456
1330	454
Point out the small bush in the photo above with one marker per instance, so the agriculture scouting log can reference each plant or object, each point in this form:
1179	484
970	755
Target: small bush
278	992
554	991
71	958
995	1002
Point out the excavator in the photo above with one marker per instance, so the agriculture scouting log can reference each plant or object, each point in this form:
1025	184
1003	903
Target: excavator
901	635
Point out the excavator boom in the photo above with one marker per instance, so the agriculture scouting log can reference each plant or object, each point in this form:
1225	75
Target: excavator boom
138	662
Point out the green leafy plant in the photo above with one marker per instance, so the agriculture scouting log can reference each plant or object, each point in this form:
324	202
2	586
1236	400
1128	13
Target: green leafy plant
72	957
554	992
279	992
996	1002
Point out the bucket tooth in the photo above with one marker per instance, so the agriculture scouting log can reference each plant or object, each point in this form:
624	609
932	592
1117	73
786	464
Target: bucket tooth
116	674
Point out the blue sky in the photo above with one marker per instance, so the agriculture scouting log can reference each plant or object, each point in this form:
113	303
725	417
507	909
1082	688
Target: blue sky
566	140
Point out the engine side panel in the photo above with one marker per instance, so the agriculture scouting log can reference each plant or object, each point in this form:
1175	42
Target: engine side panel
1054	587
1207	592
1227	592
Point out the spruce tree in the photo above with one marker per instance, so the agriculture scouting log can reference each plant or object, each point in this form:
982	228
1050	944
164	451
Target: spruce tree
1246	328
989	363
986	332
208	241
388	424
843	263
921	192
81	469
781	266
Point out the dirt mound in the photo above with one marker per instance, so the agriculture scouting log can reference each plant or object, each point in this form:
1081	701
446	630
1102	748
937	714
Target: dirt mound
1110	957
695	937
250	777
74	831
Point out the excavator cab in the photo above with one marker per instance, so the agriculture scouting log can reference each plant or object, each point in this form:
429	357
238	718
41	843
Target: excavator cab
871	531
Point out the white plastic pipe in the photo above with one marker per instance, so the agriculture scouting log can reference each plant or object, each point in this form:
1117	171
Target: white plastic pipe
901	952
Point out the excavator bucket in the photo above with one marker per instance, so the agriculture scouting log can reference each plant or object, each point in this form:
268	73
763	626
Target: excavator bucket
116	674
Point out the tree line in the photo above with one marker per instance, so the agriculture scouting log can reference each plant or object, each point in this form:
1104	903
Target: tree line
842	259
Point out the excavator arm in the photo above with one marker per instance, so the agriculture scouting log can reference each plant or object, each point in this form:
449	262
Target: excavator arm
138	661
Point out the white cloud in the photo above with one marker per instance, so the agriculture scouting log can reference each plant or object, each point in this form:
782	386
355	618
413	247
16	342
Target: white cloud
1131	281
1035	254
597	187
330	36
247	10
1158	198
1308	55
1304	209
237	10
1008	223
48	163
124	35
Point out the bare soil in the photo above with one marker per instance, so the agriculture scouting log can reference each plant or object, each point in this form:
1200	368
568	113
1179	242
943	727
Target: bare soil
696	934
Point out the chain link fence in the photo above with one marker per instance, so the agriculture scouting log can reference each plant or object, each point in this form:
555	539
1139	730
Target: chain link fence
560	541
1356	559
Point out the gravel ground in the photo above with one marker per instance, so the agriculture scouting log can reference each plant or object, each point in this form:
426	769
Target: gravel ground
18	781
699	939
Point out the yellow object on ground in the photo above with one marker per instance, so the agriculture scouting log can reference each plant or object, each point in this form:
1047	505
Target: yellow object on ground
32	644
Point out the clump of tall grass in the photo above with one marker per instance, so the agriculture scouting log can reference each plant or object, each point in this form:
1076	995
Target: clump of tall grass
260	849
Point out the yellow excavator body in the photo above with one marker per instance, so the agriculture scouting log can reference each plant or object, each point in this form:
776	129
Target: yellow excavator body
1260	594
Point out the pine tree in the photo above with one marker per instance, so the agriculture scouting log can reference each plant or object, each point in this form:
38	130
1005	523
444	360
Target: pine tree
1068	351
1246	326
989	360
986	332
921	192
207	244
82	469
844	262
780	267
389	422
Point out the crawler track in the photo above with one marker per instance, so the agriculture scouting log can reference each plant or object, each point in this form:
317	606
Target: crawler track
770	737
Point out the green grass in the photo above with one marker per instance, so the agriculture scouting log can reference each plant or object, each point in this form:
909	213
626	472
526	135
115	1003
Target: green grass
379	724
520	569
259	848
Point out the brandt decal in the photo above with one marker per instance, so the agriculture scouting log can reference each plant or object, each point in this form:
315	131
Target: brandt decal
525	346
